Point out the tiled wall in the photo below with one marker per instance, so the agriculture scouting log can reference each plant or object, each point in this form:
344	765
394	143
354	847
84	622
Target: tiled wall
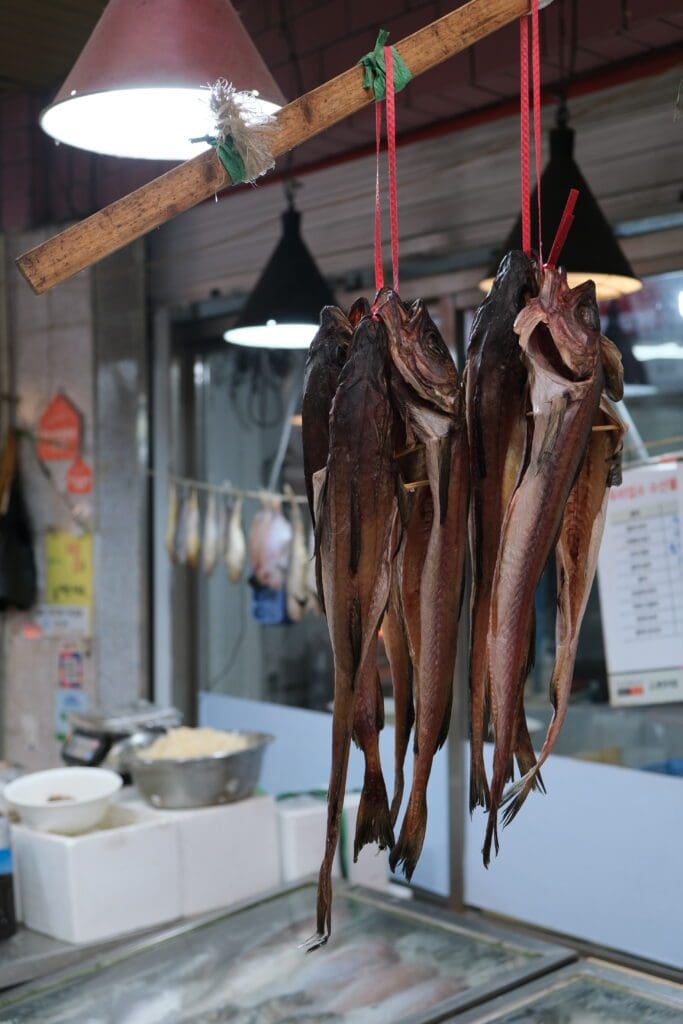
87	337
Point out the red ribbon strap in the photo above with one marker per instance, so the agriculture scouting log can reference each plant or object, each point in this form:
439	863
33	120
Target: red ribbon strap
393	190
524	142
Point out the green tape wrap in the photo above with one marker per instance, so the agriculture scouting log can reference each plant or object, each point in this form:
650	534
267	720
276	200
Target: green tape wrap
227	154
375	75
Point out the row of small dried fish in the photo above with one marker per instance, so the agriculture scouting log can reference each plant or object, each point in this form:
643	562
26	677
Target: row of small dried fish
392	444
276	548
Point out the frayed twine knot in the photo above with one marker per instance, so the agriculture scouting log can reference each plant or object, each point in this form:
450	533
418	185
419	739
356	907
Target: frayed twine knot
243	133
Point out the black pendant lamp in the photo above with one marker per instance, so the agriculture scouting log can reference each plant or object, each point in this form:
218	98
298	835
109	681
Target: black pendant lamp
283	310
591	250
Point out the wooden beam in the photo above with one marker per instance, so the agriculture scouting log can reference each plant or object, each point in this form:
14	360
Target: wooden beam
101	234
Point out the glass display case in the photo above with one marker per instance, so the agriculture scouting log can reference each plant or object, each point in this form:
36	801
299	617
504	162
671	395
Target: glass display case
389	961
589	992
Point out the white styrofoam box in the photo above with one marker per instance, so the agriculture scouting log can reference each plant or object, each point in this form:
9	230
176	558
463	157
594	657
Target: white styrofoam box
228	853
301	830
301	826
117	879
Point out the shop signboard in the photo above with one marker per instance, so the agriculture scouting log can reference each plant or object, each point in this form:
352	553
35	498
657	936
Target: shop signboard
59	430
640	577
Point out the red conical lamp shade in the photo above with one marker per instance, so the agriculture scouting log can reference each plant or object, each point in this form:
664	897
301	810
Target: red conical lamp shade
139	87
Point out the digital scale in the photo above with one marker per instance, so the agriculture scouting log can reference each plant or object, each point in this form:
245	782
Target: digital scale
94	735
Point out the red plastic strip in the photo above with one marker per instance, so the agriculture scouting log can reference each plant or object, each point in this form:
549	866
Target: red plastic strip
379	269
563	228
524	155
536	85
391	146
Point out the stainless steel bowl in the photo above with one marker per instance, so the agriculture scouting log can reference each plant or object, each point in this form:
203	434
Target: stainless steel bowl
200	781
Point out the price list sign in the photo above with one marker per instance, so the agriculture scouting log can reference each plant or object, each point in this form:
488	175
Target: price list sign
640	578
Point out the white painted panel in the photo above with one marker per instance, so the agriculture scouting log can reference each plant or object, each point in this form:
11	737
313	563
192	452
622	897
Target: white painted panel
300	760
600	857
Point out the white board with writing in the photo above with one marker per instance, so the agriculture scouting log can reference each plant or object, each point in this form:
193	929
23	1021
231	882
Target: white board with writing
640	579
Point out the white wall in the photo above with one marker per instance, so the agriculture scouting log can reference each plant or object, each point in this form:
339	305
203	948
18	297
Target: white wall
599	857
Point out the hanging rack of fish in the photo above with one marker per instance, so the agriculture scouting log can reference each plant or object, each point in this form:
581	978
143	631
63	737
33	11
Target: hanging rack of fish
273	555
407	466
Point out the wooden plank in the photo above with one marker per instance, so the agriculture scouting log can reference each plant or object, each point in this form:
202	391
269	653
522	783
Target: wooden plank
120	223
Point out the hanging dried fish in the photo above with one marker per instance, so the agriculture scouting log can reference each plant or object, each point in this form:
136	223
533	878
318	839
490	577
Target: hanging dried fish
297	572
236	544
354	518
576	557
193	534
210	538
559	332
496	405
326	357
427	392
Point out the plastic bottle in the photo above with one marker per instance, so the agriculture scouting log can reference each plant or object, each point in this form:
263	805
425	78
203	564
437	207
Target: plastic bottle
8	921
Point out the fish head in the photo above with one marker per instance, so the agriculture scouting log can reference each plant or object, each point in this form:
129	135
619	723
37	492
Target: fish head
516	278
568	321
359	309
418	351
332	338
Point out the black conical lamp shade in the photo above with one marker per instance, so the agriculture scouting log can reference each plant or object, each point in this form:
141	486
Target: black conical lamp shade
283	310
591	249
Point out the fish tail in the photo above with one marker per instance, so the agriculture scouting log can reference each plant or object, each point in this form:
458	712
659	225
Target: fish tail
514	798
407	850
491	838
373	824
479	787
526	757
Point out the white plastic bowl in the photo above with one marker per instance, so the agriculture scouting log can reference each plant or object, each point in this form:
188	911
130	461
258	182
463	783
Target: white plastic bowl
65	800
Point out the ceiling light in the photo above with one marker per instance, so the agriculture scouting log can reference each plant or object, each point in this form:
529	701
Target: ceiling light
591	250
283	310
140	87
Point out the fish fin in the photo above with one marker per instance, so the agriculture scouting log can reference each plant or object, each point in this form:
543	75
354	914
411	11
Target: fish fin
407	850
373	824
491	838
613	368
354	556
526	757
514	797
479	787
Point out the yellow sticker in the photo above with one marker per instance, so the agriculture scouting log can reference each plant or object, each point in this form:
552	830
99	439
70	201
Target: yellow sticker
69	568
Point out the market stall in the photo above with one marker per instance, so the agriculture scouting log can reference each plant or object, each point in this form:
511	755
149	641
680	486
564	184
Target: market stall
357	577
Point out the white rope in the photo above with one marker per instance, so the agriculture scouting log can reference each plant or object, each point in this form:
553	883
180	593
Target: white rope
238	116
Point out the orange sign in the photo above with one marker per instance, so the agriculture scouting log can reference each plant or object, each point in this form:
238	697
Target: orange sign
59	430
79	478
